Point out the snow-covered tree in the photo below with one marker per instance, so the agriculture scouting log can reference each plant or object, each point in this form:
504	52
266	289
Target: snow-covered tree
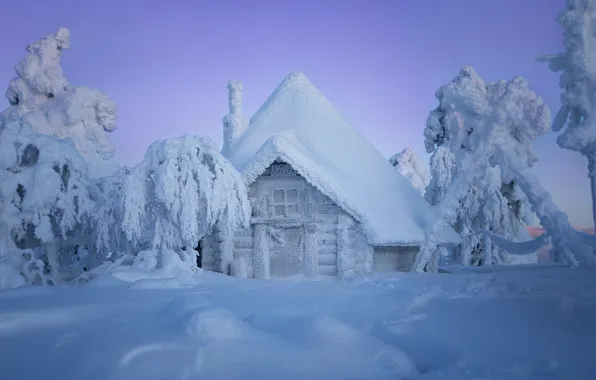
173	198
490	202
577	115
45	202
110	241
41	96
54	138
409	165
500	122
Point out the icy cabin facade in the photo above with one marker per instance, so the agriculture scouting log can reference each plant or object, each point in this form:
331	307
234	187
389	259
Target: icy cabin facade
324	200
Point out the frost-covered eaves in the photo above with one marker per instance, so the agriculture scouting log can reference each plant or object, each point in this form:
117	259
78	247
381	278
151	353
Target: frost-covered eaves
299	126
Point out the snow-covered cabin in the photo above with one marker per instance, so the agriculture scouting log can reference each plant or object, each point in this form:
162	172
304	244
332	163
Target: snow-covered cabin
324	200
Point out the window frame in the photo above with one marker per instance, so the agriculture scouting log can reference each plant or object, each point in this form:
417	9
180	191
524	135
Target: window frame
285	203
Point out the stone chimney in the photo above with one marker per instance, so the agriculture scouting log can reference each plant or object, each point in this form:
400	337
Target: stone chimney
234	122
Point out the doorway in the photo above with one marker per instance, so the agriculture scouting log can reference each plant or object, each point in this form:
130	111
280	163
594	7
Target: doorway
286	251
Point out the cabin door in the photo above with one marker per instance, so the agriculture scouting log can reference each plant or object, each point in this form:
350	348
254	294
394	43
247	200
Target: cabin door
286	250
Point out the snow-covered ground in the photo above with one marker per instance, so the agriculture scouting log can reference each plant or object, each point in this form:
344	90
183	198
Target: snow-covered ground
516	323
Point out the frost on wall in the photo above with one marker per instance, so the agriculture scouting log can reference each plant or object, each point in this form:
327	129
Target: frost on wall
409	165
490	201
45	201
304	237
261	252
311	253
501	121
577	65
179	192
41	96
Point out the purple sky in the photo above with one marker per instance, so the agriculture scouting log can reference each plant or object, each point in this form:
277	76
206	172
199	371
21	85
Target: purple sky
379	62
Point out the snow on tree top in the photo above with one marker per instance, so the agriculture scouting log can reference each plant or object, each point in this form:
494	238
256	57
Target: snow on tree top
298	125
40	72
40	96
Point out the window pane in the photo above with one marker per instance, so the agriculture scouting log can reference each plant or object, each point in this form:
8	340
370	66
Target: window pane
293	210
278	196
292	195
278	210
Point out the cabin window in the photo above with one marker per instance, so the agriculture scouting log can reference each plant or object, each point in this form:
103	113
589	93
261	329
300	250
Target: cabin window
278	196
292	195
285	203
278	210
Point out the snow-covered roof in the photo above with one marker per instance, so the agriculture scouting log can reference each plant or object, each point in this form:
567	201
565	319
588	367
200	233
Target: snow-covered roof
298	125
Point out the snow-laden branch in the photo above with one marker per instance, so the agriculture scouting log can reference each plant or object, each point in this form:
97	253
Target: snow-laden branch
45	200
500	122
179	192
456	128
518	248
445	212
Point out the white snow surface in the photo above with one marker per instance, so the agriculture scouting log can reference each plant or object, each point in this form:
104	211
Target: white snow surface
298	125
410	166
514	323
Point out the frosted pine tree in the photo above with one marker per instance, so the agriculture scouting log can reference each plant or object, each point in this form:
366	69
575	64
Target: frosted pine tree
182	189
46	197
45	202
489	202
500	121
577	65
41	96
409	165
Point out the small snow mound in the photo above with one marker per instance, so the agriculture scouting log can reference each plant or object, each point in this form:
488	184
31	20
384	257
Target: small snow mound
171	261
187	304
343	335
215	324
332	328
153	269
10	277
146	260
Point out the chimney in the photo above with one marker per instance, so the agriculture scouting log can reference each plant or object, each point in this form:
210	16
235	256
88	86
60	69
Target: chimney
234	123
